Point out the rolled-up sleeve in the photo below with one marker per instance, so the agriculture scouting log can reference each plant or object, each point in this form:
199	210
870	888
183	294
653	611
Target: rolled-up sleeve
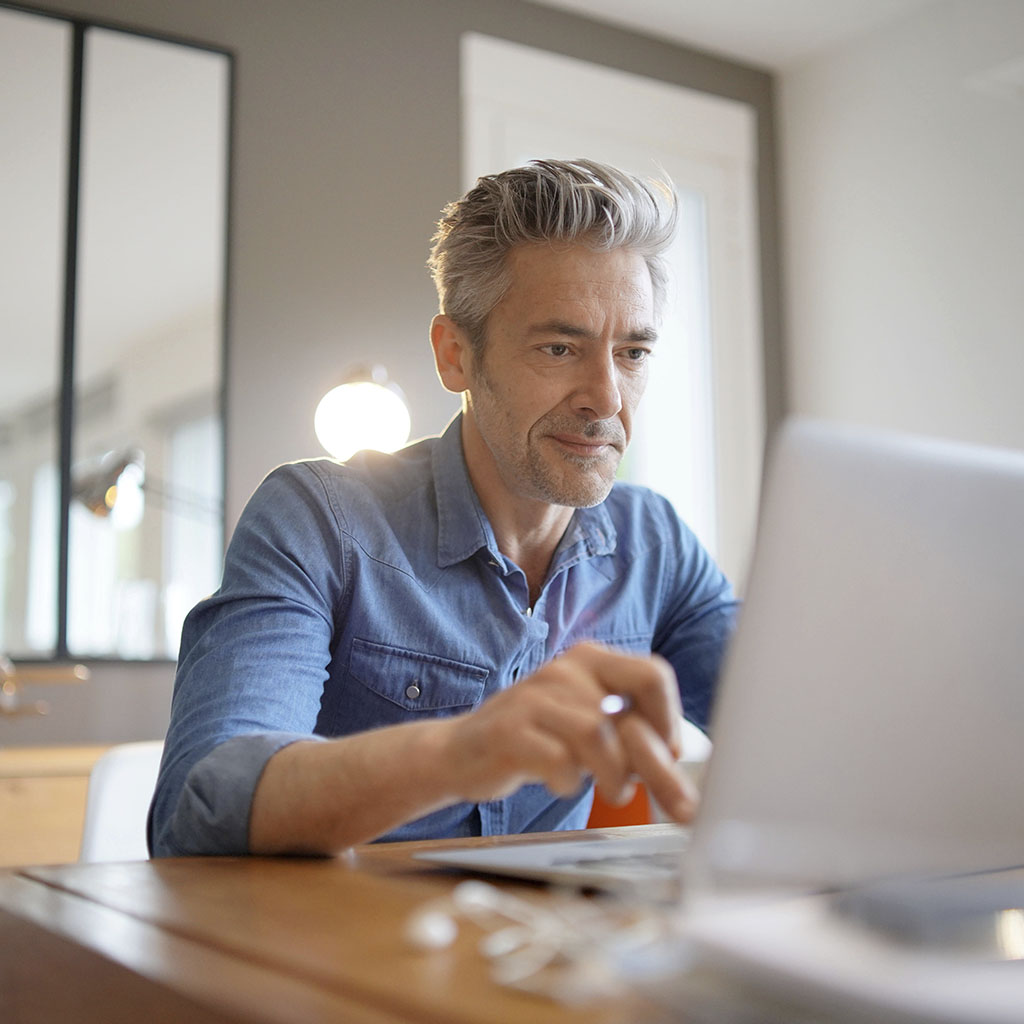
254	658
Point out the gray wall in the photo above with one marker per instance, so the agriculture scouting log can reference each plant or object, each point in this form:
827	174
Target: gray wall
346	147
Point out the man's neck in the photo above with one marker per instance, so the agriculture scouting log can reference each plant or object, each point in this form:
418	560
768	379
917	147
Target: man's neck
527	530
530	546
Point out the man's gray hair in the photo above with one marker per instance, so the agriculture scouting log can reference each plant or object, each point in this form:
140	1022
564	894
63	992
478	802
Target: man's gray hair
560	201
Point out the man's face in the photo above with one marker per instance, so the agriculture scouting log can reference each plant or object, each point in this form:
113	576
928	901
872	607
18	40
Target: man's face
563	367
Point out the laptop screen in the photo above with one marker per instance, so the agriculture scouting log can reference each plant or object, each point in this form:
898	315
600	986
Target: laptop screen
871	715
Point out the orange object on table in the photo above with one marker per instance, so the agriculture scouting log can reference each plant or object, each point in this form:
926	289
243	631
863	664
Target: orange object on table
636	812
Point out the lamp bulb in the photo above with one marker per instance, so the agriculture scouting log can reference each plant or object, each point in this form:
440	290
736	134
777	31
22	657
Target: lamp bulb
359	415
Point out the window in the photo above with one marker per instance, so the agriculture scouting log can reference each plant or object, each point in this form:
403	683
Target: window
700	435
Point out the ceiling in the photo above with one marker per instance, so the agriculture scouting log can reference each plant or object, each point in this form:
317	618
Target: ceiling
772	34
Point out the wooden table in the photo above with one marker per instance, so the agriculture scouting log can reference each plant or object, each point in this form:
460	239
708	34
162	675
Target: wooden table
254	940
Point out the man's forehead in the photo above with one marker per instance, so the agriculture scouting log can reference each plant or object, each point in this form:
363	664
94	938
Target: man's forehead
640	331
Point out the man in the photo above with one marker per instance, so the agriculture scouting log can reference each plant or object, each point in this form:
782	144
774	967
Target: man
421	644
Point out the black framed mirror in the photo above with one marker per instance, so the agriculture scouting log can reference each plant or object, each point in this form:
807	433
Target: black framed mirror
113	315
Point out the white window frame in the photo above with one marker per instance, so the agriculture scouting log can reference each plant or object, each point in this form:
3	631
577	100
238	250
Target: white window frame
516	97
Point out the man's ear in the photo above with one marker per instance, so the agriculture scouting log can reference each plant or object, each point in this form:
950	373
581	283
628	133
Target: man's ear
452	354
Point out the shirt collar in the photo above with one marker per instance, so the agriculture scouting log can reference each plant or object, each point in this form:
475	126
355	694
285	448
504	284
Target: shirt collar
463	528
590	532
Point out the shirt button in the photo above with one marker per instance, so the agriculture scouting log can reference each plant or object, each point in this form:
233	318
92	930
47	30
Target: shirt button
412	691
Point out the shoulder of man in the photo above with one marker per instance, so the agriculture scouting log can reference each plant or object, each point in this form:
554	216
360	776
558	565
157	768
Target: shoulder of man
373	471
644	520
629	503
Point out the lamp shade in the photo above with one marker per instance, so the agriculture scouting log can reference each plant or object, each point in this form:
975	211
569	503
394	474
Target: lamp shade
112	486
368	411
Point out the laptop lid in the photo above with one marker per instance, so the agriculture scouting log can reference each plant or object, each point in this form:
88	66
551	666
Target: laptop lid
870	719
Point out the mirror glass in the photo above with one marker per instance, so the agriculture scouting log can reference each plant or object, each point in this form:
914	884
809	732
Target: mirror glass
148	352
34	91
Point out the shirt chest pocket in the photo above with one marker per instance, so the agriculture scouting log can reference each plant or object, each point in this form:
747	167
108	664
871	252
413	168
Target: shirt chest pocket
625	642
416	682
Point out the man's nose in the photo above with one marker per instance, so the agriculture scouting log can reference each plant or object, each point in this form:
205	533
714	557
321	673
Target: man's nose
598	394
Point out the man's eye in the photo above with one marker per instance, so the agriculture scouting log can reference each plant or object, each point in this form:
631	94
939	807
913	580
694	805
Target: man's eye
558	349
637	355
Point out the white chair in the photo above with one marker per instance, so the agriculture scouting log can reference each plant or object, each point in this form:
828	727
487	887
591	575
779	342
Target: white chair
121	786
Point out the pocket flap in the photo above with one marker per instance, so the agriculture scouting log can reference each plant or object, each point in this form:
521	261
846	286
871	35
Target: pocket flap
414	681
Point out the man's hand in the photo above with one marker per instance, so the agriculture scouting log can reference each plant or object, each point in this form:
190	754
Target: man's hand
550	728
320	797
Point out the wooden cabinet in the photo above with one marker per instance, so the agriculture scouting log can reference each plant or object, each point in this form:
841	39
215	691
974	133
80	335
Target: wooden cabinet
42	802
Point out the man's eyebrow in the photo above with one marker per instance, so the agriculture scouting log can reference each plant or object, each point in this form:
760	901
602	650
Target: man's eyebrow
648	334
563	327
570	330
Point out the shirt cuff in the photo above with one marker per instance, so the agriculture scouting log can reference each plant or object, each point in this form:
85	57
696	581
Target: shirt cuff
212	814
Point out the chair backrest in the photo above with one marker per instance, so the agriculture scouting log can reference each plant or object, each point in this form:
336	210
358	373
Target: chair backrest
121	786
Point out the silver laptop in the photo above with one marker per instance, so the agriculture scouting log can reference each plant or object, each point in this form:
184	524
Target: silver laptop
870	718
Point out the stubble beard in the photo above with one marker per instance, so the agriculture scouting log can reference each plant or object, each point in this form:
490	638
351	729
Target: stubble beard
586	481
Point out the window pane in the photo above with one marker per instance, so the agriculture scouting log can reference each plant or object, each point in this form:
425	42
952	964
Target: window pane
148	350
192	556
34	85
674	444
41	610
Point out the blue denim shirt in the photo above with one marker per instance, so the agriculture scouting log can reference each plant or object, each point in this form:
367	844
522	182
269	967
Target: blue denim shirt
373	592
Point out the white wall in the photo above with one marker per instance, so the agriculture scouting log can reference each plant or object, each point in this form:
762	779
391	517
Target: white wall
903	226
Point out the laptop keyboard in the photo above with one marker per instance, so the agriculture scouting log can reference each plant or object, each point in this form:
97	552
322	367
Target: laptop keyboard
656	865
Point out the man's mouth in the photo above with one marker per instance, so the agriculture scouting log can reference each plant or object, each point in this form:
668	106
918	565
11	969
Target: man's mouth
586	447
